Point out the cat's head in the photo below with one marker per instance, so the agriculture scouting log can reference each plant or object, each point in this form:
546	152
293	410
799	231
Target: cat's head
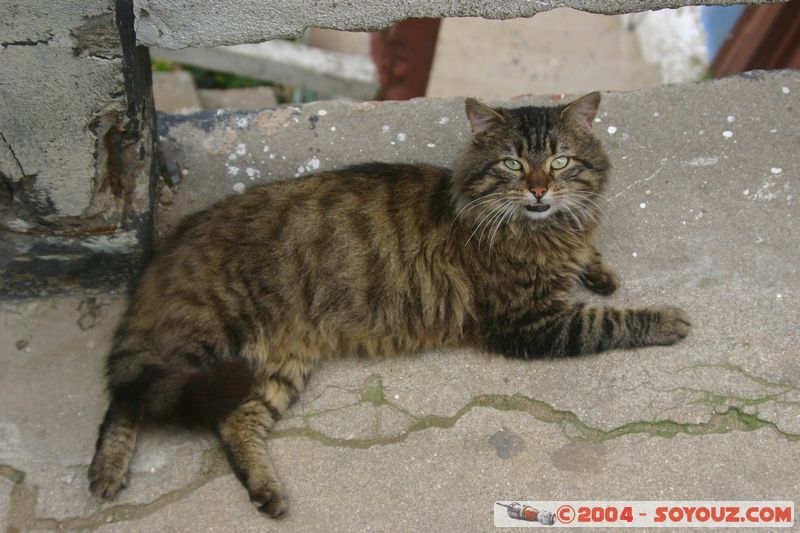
540	165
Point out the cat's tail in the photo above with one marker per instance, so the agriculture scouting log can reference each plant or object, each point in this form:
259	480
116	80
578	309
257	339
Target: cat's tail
183	393
211	394
143	386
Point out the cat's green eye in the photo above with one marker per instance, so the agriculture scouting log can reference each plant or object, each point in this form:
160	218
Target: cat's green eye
513	164
559	162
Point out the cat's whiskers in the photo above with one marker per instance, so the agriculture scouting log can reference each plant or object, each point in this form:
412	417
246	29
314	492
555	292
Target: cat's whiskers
510	207
491	210
581	207
481	200
596	194
567	205
587	208
497	214
577	211
589	197
507	214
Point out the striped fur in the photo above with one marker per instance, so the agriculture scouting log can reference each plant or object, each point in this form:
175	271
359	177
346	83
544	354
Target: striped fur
231	316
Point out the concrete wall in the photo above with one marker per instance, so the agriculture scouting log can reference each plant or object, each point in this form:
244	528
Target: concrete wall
77	172
169	24
75	145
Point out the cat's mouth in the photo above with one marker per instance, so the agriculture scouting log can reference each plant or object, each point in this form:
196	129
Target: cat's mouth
538	208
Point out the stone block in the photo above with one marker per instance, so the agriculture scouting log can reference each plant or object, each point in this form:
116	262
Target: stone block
76	145
168	24
174	92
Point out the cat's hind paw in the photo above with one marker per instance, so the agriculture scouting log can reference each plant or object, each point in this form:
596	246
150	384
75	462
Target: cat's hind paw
105	482
270	502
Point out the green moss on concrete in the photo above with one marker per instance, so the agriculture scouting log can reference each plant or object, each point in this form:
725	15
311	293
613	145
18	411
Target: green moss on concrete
374	393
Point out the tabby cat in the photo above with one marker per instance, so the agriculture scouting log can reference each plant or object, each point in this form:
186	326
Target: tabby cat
231	316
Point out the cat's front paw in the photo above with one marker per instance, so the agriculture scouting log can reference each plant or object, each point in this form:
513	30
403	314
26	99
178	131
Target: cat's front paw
601	281
668	326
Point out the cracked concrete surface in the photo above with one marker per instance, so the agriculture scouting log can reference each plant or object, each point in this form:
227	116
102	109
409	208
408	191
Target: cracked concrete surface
694	217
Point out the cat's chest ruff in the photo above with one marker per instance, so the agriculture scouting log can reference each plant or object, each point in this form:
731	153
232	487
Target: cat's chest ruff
540	267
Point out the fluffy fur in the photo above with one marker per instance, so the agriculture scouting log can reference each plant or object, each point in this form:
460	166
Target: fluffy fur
231	316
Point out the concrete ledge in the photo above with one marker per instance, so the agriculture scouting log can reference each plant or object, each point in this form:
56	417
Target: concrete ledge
212	155
328	73
169	24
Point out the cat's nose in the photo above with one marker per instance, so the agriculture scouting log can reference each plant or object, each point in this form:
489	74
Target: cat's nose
538	192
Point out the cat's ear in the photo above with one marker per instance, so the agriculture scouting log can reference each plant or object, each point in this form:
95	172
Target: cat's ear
583	110
482	118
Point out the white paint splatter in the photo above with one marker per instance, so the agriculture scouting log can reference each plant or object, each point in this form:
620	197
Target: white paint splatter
301	169
233	170
333	128
430	145
312	164
703	161
746	192
648	192
764	192
241	149
634	254
396	396
642	205
612	130
775	170
238	187
727	134
392	142
443	120
242	122
650	177
731	118
401	137
266	148
656	114
252	172
785	90
779	296
322	112
598	119
774	130
272	156
385	128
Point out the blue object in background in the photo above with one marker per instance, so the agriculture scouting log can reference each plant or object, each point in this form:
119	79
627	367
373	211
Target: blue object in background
718	22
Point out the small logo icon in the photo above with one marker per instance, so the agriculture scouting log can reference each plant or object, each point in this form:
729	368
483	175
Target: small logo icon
565	514
518	511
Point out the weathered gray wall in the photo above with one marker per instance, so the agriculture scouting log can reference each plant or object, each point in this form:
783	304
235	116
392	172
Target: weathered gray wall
76	116
169	24
75	145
